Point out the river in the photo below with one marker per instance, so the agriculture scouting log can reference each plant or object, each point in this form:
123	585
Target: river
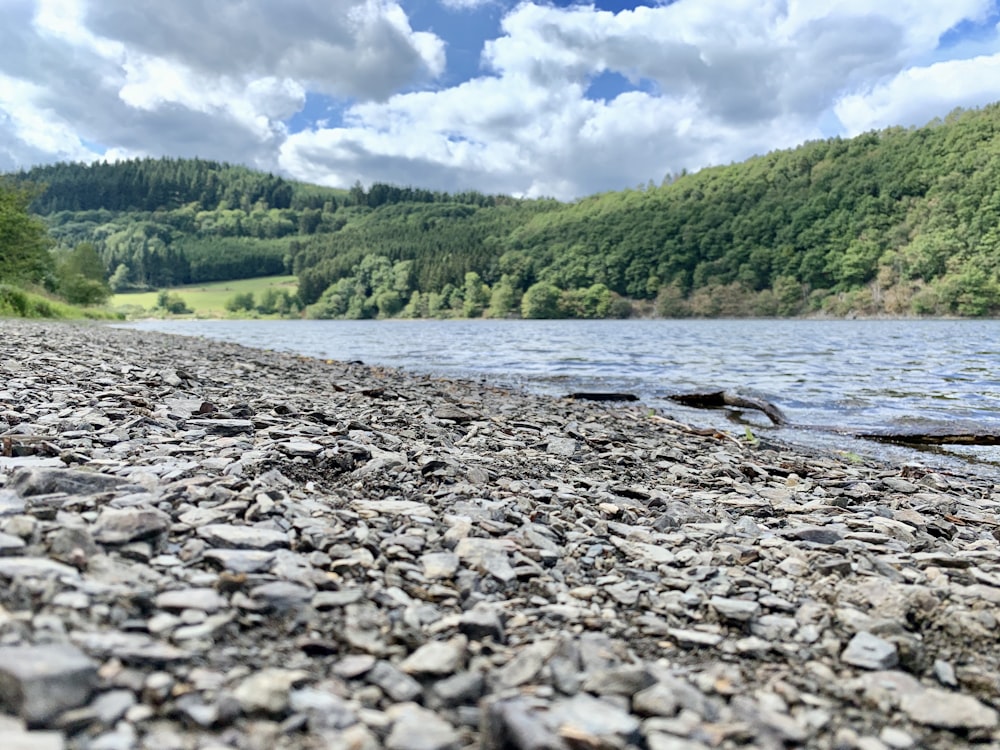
869	375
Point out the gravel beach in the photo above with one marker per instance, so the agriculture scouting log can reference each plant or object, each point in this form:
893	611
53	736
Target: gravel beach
205	546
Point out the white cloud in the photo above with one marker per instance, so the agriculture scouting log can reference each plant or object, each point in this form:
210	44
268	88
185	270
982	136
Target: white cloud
191	77
717	80
723	81
918	95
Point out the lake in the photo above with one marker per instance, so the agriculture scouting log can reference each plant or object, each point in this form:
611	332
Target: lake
869	375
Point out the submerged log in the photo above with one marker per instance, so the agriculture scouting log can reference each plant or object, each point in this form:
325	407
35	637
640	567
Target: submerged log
719	399
934	437
603	396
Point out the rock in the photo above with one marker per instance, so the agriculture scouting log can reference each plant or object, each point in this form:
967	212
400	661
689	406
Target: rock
262	550
224	427
243	537
870	652
415	728
12	739
124	525
394	683
437	657
440	564
203	599
934	707
39	682
739	610
27	482
11	545
268	691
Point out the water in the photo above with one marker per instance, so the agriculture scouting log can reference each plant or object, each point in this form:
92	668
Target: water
864	375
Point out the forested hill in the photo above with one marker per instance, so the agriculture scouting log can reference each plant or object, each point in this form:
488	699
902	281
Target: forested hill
901	221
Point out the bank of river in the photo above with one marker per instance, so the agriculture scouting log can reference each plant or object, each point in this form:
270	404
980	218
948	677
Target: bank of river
902	375
205	545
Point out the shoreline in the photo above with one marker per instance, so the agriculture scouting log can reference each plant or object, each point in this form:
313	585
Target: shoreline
220	546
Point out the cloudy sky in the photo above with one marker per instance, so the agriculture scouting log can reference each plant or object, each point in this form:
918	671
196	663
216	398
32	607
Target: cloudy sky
526	98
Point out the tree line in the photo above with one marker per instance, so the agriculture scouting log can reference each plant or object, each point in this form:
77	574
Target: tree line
901	221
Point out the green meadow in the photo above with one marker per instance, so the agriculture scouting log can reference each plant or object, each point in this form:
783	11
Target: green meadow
205	300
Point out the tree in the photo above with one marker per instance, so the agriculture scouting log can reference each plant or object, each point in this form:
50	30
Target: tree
476	295
24	240
541	301
80	276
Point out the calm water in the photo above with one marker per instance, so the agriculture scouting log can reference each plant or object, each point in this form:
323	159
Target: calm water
858	374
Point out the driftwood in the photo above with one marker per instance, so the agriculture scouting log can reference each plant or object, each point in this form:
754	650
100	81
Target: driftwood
717	399
941	436
604	396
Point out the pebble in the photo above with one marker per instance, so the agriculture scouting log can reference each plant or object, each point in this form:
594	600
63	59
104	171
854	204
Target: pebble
252	549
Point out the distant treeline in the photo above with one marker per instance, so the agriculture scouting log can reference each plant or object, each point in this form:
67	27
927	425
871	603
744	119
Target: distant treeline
900	221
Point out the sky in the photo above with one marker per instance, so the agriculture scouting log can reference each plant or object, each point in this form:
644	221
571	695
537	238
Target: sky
530	99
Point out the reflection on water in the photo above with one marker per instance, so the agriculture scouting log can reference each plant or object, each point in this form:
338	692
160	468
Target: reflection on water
868	375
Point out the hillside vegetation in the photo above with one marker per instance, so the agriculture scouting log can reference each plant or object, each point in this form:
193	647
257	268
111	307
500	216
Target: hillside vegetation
901	221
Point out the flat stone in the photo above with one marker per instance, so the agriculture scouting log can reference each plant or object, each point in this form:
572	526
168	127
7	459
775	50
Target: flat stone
131	648
282	596
740	610
589	720
489	556
224	427
560	446
437	657
655	700
241	560
300	448
394	683
416	728
39	682
870	652
11	545
814	534
437	565
203	599
27	482
11	739
19	568
243	537
934	707
126	525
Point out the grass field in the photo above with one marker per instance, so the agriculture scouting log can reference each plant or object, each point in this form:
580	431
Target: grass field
206	300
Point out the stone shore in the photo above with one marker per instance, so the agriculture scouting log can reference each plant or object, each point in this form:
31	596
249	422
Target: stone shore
204	546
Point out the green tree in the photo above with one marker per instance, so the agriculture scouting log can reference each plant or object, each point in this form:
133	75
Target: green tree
24	241
242	302
80	275
503	298
541	300
476	296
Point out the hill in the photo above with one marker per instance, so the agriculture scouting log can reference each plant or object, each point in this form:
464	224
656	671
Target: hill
900	221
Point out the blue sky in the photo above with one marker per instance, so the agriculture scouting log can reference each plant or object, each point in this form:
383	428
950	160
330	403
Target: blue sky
533	99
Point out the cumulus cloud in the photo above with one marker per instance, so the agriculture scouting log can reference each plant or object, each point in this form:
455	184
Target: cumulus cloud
712	81
918	95
213	78
719	81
